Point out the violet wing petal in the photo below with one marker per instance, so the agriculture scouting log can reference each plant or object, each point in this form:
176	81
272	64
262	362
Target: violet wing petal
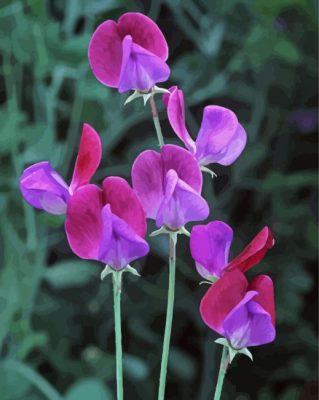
43	188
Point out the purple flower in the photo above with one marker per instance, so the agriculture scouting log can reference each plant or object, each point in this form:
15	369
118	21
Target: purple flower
243	313
43	188
221	138
210	245
129	54
169	186
107	225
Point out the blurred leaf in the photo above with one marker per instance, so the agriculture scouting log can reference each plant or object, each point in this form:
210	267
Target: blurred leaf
135	367
89	388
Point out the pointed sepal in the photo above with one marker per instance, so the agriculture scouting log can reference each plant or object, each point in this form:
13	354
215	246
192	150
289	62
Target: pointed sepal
106	271
131	270
233	352
208	171
163	229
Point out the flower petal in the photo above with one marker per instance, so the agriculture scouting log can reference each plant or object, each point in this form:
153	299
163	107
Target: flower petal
124	203
265	288
209	245
43	188
221	298
88	159
147	179
176	116
125	245
141	69
217	129
185	165
181	204
84	225
254	252
105	53
144	32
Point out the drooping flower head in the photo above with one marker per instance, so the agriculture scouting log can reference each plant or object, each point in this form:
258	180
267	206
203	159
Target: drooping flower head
241	312
210	245
169	186
221	138
107	224
43	188
129	54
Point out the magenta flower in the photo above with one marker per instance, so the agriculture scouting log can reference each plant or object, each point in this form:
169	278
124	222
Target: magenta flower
169	186
43	188
221	138
243	313
108	224
129	54
210	246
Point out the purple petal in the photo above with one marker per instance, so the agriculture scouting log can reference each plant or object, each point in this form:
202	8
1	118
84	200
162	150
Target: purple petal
176	116
218	128
105	53
185	165
209	245
43	188
141	69
181	204
125	245
147	180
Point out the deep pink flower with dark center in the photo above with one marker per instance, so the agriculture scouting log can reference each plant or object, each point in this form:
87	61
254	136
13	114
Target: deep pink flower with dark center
169	186
108	224
210	245
129	54
243	313
221	138
43	188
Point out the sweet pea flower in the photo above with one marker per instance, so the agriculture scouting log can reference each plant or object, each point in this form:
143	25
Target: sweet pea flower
221	138
129	54
169	186
107	224
210	245
43	188
241	312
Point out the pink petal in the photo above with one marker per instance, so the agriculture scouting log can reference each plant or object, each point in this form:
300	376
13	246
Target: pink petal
124	203
265	288
144	32
105	53
221	298
147	179
88	159
84	225
185	165
254	252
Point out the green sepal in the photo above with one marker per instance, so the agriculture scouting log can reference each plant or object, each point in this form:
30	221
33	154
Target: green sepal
208	171
164	230
131	270
145	95
233	352
106	271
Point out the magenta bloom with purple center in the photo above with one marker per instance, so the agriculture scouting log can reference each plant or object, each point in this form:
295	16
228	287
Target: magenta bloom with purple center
129	54
221	138
43	188
210	245
108	224
241	312
169	186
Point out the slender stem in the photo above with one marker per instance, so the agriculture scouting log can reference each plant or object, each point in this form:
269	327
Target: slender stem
169	314
117	283
156	121
222	372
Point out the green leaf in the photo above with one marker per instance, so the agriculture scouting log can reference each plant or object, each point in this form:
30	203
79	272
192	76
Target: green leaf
135	367
88	389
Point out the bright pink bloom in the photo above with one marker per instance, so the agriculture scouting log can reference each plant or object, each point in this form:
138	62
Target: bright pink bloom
129	54
43	188
243	313
210	245
221	138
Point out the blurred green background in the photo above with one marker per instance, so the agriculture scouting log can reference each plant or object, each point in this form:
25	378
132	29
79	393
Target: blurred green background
258	58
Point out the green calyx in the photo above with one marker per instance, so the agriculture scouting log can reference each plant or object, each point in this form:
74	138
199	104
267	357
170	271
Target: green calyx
234	352
145	95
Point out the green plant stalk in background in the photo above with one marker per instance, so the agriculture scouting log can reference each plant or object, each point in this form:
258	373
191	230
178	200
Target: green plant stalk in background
169	314
222	372
117	287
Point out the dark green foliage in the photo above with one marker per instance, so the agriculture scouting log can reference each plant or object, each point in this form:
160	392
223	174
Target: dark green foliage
56	323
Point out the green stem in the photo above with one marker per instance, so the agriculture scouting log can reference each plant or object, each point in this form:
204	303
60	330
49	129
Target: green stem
169	314
156	121
222	372
117	283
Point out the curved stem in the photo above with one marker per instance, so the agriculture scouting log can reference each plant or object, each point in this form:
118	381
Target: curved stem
222	372
156	122
169	314
117	283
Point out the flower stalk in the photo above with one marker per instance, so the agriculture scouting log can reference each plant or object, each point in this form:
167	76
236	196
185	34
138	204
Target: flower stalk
222	372
156	121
